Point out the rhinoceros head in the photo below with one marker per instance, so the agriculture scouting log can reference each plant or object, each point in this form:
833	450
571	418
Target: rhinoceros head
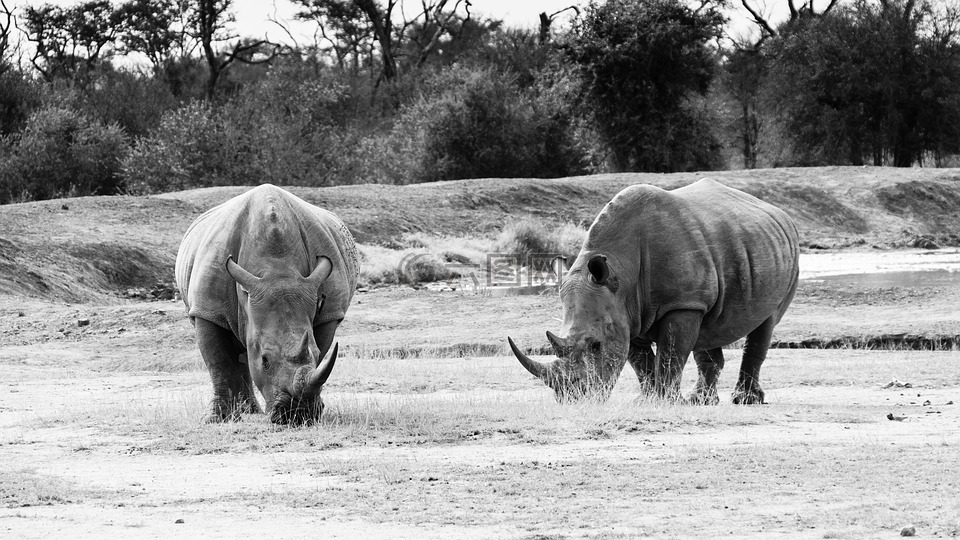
595	330
282	353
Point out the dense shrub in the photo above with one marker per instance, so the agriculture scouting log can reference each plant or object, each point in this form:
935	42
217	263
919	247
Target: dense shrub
282	129
61	152
134	102
18	98
189	149
476	123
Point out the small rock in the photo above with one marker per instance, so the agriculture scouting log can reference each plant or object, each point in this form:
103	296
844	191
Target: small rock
949	403
362	289
897	384
64	207
179	521
83	322
926	403
909	530
21	314
890	416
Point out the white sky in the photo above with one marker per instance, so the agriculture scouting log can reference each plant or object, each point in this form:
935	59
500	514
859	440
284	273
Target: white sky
253	16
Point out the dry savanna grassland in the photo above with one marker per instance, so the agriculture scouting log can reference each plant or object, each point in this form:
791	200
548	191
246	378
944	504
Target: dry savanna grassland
431	430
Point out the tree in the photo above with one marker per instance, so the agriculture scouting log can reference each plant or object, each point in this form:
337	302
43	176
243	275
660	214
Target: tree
208	21
875	82
379	24
6	27
344	26
644	64
70	41
746	64
157	30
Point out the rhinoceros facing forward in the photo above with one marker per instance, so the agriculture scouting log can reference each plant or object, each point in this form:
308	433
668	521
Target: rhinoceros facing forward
691	269
267	278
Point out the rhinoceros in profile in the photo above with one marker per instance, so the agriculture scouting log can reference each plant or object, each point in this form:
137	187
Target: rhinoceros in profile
691	269
267	278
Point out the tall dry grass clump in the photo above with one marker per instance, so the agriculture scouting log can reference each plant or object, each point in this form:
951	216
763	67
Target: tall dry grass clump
541	238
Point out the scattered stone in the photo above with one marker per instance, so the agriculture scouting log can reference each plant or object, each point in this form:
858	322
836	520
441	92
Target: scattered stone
890	416
897	384
926	403
83	322
909	530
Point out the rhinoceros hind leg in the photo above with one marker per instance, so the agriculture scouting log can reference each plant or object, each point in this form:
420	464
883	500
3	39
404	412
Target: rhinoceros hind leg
709	366
232	390
748	391
676	335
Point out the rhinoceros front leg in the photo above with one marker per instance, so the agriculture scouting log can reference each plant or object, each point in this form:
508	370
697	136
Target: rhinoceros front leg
232	388
644	363
324	334
748	391
709	365
676	335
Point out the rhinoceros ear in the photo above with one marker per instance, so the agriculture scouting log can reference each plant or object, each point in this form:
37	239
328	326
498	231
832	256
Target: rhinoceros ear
598	269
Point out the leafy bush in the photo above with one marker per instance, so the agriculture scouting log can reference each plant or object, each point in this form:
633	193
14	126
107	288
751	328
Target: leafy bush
61	152
18	98
281	129
476	123
189	149
134	102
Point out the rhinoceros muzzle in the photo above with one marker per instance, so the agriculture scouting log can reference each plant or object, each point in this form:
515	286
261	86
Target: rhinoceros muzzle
300	404
568	385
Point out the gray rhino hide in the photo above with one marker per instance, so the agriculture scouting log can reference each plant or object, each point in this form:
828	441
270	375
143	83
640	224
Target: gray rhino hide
241	227
703	247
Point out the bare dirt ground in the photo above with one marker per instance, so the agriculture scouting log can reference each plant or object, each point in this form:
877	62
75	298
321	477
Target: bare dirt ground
430	432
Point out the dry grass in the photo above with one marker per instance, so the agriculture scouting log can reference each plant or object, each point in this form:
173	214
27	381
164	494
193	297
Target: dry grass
540	237
26	487
478	444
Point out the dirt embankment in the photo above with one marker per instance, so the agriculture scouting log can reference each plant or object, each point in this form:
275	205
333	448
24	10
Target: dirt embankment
85	248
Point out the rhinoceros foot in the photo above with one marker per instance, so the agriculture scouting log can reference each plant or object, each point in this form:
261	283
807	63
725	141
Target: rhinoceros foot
704	397
230	410
753	396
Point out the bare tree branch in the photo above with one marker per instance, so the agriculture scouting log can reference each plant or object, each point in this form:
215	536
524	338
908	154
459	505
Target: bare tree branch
760	19
441	27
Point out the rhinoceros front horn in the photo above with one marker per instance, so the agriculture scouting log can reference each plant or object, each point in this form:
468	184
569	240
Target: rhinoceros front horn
240	274
309	381
537	369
